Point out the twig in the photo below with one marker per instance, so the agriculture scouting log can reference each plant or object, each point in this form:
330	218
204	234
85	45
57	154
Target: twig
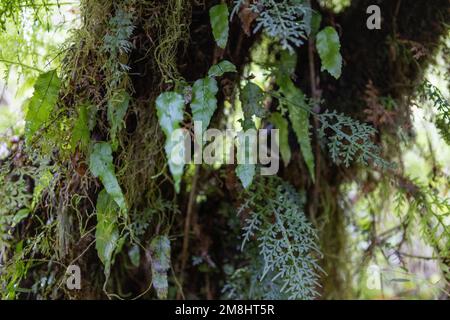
315	95
187	225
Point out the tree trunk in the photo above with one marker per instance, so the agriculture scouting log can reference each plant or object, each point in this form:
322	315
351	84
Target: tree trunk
173	41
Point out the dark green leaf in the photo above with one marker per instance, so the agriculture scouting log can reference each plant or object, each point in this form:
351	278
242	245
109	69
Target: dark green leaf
219	23
252	98
81	134
282	125
299	118
222	67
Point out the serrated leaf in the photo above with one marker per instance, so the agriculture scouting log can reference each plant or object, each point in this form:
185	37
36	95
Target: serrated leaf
328	46
299	118
101	166
170	110
252	98
204	102
160	262
219	24
107	231
221	68
42	103
283	126
117	109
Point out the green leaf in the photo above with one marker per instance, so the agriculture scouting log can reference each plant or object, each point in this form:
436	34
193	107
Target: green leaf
101	166
288	63
160	262
41	184
42	103
204	102
222	67
316	20
219	23
328	46
283	126
107	231
252	98
170	110
117	109
81	133
299	118
20	215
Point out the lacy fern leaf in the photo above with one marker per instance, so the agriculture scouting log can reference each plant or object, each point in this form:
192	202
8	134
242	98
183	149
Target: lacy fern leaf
285	239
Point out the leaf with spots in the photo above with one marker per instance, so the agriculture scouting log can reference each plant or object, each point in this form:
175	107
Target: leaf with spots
204	102
170	110
160	262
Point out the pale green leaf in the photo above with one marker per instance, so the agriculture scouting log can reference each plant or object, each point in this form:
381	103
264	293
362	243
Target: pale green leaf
160	262
101	166
204	102
328	46
42	103
221	68
283	126
219	24
170	110
107	232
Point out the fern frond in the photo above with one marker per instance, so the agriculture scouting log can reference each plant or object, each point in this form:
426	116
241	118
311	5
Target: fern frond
350	140
289	21
429	92
286	241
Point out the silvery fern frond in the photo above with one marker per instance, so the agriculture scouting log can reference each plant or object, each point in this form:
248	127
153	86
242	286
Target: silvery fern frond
289	21
349	140
285	240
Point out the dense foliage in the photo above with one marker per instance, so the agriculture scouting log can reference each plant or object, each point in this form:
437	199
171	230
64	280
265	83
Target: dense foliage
90	178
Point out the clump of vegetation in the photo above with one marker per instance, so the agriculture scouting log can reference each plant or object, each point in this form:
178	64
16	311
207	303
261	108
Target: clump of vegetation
89	180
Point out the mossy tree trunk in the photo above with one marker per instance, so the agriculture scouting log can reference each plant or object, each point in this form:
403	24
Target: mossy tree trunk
172	40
